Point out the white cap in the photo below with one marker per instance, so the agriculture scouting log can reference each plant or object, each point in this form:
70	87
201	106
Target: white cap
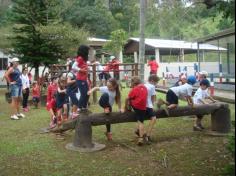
203	73
15	59
112	57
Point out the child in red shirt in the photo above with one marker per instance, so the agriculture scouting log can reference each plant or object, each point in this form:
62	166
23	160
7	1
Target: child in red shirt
81	67
36	94
137	99
52	106
52	89
153	66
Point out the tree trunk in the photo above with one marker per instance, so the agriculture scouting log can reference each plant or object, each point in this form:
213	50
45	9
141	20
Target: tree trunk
114	118
36	75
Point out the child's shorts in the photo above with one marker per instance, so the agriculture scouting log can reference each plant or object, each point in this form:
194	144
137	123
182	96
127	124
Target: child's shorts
139	114
172	98
36	99
150	113
62	102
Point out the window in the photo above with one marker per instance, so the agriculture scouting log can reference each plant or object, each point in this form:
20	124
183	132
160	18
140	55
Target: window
3	63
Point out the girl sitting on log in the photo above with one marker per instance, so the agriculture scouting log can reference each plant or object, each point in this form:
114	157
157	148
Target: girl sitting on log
172	97
201	97
110	95
62	101
137	99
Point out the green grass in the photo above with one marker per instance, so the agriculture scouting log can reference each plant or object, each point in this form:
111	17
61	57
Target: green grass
177	150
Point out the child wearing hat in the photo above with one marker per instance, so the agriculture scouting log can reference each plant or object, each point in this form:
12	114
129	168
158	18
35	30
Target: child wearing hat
199	98
184	91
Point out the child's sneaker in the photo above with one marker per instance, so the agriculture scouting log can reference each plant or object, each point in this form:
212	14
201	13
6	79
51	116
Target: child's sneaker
109	136
53	125
197	128
14	117
20	115
74	116
200	125
146	139
140	141
65	118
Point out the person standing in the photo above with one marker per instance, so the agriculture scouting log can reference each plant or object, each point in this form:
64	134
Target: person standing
116	67
25	89
152	63
13	77
81	67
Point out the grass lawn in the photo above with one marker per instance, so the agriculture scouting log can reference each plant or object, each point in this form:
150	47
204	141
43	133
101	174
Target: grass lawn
177	150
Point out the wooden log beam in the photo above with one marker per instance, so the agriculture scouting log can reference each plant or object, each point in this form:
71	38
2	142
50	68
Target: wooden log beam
114	118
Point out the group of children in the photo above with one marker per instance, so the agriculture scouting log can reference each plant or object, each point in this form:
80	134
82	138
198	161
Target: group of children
141	99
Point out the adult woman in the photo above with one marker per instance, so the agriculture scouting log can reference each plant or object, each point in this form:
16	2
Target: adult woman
13	77
25	88
81	67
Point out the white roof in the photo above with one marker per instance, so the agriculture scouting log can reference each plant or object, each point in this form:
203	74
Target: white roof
91	39
178	44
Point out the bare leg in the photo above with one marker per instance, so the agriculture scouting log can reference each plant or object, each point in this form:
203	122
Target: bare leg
151	126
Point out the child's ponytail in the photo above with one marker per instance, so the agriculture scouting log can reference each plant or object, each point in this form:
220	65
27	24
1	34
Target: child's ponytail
115	84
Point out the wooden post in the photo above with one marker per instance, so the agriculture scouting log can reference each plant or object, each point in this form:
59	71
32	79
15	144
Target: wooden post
83	136
94	84
133	70
136	70
221	120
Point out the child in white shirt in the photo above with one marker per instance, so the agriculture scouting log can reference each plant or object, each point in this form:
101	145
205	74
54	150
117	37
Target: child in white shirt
151	87
175	93
199	98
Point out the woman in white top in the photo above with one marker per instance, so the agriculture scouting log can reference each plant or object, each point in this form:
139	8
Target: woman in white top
25	89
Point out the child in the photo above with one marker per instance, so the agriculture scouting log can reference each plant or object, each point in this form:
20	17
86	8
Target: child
81	67
36	94
151	87
110	95
61	101
52	89
71	91
53	111
199	98
153	66
137	99
174	93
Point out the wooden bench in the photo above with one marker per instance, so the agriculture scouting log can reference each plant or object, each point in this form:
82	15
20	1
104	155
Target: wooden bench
220	123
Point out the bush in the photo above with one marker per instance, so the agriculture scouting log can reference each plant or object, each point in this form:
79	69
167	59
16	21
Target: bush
230	169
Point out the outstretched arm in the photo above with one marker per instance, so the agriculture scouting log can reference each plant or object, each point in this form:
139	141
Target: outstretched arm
93	90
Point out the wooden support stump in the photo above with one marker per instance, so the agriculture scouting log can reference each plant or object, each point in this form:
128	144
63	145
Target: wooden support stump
83	137
221	121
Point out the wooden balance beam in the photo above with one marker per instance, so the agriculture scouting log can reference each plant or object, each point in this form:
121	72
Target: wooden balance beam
220	123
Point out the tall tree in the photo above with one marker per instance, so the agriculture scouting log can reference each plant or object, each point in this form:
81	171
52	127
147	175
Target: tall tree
33	43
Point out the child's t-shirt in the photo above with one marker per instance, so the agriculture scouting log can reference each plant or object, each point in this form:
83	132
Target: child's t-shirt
151	92
36	91
138	97
52	104
200	95
52	89
183	90
112	94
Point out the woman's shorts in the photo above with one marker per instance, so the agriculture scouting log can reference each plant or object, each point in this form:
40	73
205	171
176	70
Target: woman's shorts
16	90
172	98
140	115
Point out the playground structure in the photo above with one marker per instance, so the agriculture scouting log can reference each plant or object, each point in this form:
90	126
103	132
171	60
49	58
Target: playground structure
220	123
